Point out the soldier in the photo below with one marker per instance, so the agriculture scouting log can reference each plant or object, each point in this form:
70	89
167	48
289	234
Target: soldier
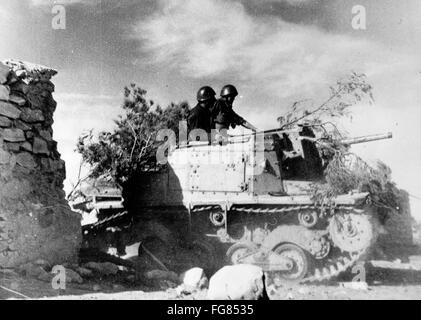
200	116
223	116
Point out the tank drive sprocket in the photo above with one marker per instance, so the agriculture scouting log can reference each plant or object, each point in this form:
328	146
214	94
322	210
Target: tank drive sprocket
351	232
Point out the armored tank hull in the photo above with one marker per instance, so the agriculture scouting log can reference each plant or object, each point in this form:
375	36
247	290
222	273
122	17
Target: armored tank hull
248	200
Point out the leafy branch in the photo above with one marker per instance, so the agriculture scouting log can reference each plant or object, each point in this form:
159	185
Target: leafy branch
346	93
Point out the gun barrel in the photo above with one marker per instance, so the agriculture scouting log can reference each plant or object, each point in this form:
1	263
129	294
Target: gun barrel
369	138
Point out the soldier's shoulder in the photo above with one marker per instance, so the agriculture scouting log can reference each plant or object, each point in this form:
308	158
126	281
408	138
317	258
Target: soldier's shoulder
219	104
195	110
220	101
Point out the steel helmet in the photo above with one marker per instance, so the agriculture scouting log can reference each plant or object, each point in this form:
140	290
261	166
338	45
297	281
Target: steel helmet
205	93
229	90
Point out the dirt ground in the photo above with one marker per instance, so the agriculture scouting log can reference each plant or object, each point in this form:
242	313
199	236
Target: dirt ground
385	280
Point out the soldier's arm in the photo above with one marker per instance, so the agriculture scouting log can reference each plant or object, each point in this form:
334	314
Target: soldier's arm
249	126
192	121
237	120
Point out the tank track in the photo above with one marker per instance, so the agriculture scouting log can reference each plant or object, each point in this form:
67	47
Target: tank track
332	268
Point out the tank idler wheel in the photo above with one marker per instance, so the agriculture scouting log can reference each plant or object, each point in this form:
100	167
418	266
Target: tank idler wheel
238	252
299	264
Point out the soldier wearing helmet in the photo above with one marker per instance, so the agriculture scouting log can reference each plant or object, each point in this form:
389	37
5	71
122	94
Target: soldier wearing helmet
223	115
200	115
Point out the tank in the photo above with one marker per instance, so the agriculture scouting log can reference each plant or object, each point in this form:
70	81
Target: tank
248	199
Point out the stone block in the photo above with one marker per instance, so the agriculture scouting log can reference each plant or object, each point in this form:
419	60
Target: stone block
4	92
9	110
26	146
5	122
13	135
17	99
40	146
26	160
46	135
29	134
12	146
31	116
4	157
20	86
4	72
22	125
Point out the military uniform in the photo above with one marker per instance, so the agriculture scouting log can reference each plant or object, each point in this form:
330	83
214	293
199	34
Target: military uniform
223	116
199	118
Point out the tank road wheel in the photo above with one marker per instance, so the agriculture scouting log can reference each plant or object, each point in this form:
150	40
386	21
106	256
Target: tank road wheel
240	251
308	219
299	263
351	232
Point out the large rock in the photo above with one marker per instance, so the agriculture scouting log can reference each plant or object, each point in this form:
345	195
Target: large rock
194	279
237	282
84	272
103	268
9	110
72	276
32	270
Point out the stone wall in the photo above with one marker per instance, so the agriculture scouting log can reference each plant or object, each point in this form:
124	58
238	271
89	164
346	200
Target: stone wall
35	219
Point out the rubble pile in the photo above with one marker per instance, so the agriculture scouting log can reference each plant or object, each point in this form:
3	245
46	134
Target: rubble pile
35	219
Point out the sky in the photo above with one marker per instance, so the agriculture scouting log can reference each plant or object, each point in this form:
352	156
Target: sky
274	51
